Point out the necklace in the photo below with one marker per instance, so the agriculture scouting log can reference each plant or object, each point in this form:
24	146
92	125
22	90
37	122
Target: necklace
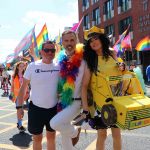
69	69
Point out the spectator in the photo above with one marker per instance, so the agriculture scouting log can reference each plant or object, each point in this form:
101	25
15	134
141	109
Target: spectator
43	77
17	80
148	73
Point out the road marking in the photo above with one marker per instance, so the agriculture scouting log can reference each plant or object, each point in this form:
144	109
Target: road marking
57	133
3	99
7	106
9	147
5	102
4	116
8	109
5	123
88	131
92	146
9	128
135	134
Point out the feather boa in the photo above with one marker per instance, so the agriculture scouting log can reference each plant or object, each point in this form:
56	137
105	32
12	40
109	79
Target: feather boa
69	69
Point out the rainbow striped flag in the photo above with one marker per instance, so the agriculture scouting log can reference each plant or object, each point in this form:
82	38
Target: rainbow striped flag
41	38
144	44
58	41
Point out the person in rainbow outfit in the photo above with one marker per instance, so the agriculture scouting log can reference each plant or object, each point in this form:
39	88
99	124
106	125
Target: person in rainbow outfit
69	89
99	58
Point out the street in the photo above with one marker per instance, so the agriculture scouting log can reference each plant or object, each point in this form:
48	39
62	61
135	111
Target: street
11	139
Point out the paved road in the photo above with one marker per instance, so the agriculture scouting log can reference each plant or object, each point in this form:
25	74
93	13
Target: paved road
11	139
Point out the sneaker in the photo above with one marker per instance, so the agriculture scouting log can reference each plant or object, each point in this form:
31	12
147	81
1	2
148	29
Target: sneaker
21	128
76	139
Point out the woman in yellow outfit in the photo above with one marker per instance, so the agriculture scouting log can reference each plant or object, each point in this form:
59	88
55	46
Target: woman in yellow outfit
17	79
99	59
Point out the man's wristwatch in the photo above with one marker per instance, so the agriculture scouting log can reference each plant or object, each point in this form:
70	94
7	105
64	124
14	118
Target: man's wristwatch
18	107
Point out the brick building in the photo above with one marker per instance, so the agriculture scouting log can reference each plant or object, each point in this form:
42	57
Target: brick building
115	16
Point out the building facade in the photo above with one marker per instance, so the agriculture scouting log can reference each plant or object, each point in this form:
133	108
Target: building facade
115	16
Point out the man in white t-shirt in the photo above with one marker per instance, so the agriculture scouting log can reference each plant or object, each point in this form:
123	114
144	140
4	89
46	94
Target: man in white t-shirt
69	89
43	77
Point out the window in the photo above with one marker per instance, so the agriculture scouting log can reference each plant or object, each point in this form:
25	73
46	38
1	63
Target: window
94	1
86	22
96	16
145	5
108	9
124	5
85	4
123	24
110	30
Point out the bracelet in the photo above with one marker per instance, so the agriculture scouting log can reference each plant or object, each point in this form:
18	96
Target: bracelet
85	112
18	107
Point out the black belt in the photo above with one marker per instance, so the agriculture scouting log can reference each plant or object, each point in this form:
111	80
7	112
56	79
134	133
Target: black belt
76	99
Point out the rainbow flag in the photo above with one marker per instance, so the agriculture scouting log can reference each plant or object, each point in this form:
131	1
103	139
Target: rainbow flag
144	44
58	45
41	38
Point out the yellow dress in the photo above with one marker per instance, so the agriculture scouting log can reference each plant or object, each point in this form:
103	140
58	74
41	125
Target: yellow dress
108	67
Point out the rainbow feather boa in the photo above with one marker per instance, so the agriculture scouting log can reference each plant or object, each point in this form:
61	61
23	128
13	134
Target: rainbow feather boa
69	69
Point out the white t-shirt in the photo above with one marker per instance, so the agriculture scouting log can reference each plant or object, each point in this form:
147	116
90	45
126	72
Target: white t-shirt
78	82
44	80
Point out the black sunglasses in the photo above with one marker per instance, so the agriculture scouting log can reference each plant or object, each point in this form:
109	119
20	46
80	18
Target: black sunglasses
46	50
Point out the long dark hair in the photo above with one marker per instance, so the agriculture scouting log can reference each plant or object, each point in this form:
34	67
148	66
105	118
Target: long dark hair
90	55
16	70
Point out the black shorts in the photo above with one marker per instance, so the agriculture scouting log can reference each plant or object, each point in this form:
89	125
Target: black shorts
97	123
39	117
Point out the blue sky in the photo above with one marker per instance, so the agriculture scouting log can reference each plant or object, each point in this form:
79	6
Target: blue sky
19	16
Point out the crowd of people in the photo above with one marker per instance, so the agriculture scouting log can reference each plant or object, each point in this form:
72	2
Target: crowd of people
5	78
58	89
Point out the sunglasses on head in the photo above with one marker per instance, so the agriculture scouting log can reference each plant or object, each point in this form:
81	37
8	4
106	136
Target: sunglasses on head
46	50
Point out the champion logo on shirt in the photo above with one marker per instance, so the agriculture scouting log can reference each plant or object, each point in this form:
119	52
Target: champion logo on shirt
40	71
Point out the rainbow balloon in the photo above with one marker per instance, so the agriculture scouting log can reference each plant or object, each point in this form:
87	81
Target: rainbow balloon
144	44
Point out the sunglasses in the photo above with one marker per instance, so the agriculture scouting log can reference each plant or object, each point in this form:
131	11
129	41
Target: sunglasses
46	50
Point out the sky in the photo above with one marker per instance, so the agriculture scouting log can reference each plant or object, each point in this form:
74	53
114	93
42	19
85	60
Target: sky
17	17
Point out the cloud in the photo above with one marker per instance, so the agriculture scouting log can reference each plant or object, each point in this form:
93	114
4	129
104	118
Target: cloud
5	26
54	21
8	45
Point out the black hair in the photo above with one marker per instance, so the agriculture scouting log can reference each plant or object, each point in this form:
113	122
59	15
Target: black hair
47	42
123	64
90	55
